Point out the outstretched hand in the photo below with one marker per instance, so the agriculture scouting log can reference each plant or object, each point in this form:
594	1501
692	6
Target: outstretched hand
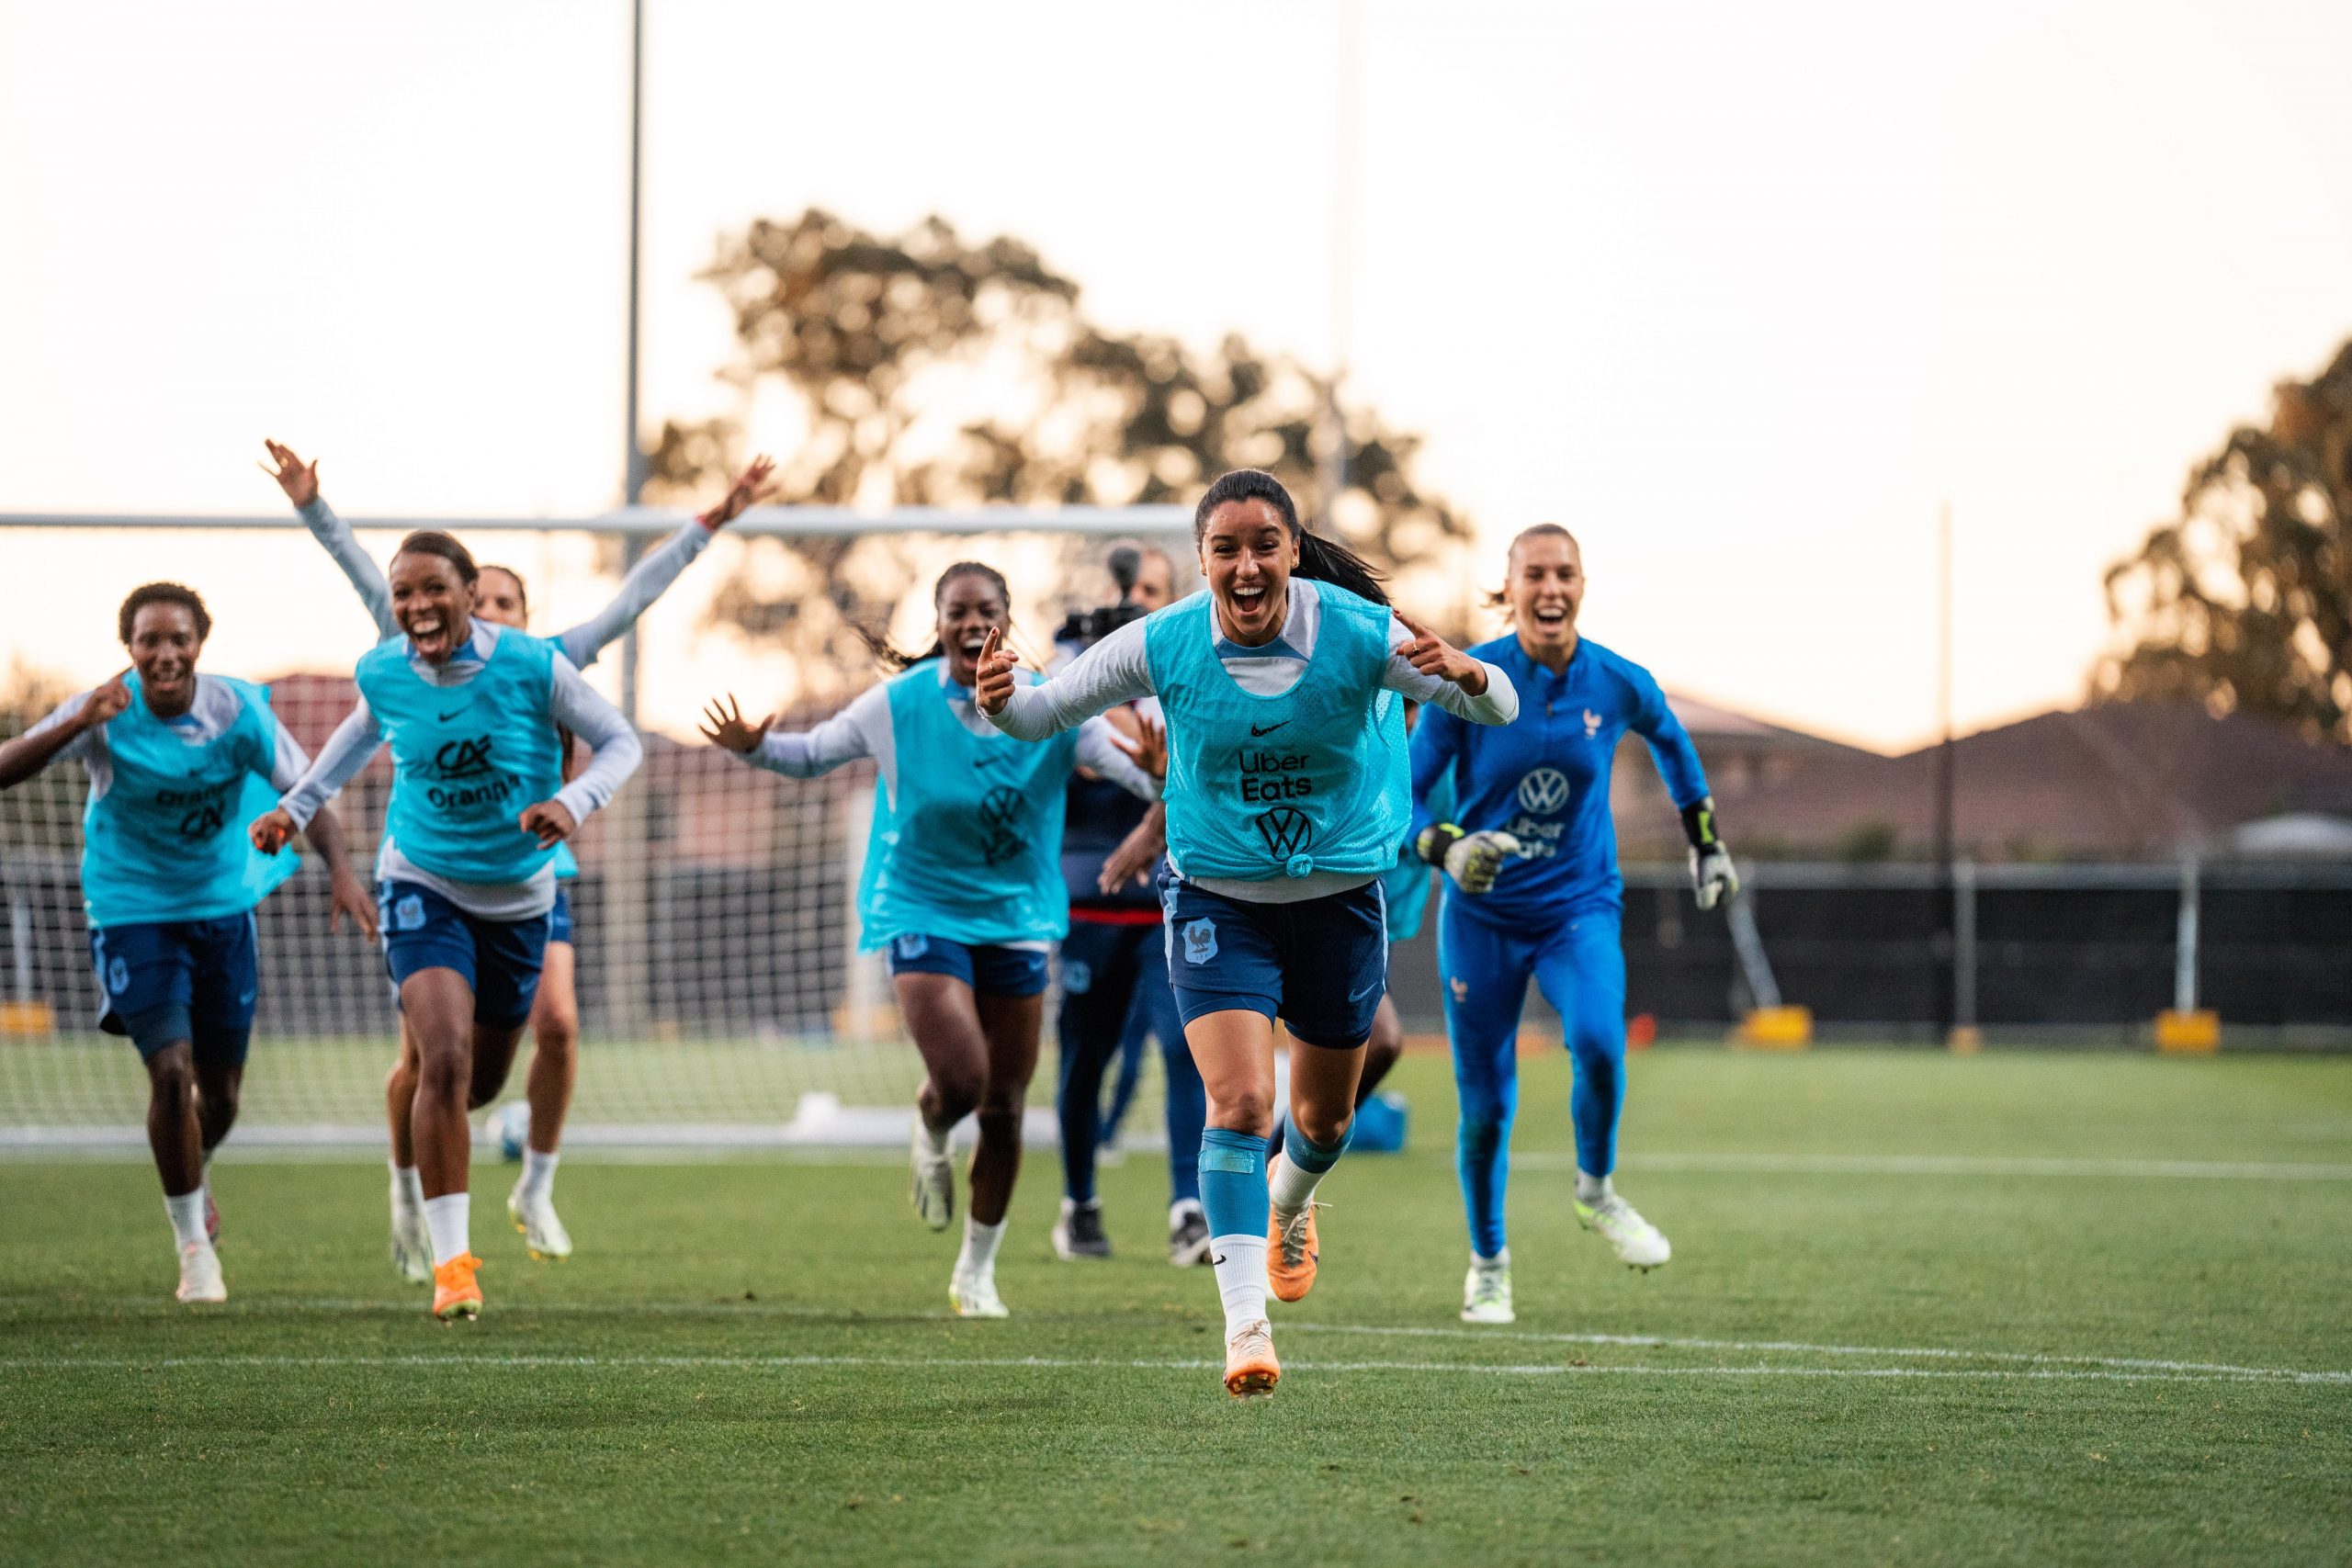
750	488
725	726
549	821
298	479
272	831
993	680
1433	655
1147	748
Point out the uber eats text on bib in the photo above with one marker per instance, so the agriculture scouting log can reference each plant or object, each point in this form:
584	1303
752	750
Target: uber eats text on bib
1266	787
467	760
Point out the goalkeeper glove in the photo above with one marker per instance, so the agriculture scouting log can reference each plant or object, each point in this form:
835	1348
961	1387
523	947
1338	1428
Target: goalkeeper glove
1472	860
1713	876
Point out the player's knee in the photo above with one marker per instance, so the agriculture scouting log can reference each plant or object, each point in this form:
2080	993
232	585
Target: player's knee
171	1079
1243	1110
1000	1123
555	1026
442	1076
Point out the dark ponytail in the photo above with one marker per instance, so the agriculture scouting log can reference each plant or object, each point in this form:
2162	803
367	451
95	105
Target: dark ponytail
896	659
1318	557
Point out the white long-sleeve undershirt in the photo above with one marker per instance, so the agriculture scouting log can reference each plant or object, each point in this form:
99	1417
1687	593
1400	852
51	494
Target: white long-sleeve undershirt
572	703
646	581
863	729
1118	670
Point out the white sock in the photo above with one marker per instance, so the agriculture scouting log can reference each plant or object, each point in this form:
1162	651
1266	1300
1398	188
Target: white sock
1289	1188
538	1176
1499	1260
1181	1207
1240	1263
1593	1189
407	1189
978	1256
934	1138
187	1216
444	1220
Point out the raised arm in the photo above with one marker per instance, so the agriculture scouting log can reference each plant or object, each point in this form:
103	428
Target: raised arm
300	480
1426	667
799	754
652	577
62	731
1114	670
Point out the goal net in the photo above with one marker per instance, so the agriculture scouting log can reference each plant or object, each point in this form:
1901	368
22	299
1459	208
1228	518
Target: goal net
722	996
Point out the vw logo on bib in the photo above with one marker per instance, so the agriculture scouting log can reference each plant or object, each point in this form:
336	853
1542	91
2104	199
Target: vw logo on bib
1544	790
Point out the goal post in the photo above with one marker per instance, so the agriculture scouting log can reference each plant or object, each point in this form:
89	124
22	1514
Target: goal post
723	1001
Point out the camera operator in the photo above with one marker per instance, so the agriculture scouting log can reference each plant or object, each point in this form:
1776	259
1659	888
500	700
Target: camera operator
1114	965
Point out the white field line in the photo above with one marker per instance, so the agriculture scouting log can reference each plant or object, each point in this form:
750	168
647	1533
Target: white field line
774	1363
1951	1164
2050	1363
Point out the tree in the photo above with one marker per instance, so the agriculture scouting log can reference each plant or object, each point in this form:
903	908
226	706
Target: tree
2245	600
932	371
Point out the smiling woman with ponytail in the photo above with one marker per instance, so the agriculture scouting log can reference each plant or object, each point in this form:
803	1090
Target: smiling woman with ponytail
1286	801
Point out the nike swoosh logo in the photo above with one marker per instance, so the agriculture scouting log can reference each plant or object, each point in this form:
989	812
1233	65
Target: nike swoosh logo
1217	1262
243	999
445	717
1268	731
1359	996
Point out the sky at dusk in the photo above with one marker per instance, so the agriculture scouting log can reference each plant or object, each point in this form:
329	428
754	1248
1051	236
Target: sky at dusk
1742	294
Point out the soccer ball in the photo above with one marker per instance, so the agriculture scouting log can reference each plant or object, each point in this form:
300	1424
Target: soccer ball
511	1125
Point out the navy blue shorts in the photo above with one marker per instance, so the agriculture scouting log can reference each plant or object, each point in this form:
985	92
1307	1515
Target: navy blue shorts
559	918
1320	965
500	959
998	971
165	981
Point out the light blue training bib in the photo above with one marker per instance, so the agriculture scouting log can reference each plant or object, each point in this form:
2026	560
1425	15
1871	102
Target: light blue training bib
1265	787
467	760
166	842
971	848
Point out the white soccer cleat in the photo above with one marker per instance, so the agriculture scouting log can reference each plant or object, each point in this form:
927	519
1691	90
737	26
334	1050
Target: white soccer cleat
934	1181
201	1273
1486	1293
974	1295
543	1234
1641	1243
1251	1370
412	1245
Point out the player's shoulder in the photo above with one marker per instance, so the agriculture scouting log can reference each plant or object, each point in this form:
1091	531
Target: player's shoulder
223	701
1615	667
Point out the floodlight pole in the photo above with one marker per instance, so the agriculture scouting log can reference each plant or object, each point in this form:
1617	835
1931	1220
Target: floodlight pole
633	463
629	884
1947	891
1343	222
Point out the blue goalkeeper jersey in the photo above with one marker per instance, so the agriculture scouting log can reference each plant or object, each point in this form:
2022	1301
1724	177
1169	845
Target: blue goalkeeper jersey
1544	778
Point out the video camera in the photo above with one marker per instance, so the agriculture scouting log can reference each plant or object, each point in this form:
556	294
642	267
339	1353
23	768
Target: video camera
1085	628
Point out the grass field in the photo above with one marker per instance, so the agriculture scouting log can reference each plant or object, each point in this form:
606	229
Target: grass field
1923	1308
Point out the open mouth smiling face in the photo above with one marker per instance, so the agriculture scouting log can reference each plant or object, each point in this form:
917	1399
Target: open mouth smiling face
1247	555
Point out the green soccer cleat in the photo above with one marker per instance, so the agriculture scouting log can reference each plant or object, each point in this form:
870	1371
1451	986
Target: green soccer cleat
543	1234
1486	1293
1639	1243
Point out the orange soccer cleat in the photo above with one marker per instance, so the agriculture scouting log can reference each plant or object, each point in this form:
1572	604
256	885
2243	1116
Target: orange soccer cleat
1291	1252
456	1292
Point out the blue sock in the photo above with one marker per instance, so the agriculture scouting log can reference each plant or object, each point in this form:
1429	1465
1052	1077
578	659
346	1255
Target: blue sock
1311	1157
1233	1183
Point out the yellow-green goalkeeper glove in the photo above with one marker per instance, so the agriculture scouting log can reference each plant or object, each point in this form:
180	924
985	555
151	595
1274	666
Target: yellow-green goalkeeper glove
1713	876
1472	860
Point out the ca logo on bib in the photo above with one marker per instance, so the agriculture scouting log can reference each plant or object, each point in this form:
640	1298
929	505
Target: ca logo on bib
1543	789
1199	942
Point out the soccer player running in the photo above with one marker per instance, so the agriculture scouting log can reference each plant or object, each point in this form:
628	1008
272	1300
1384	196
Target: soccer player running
466	882
555	1014
180	762
1530	854
1285	806
962	885
1115	988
